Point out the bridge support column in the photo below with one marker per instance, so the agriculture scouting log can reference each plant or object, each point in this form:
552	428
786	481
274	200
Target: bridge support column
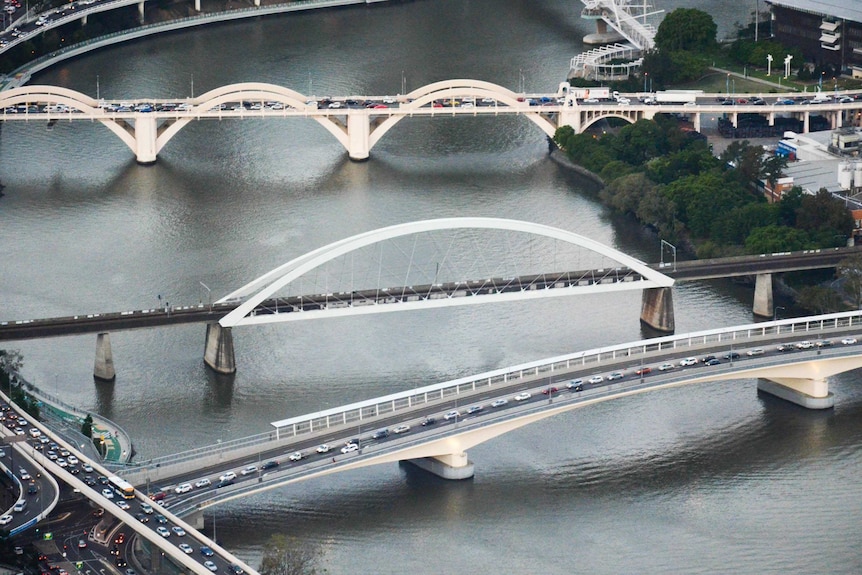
763	303
218	353
697	122
809	393
358	135
453	466
103	369
571	116
141	11
806	117
197	5
195	519
657	309
84	21
145	139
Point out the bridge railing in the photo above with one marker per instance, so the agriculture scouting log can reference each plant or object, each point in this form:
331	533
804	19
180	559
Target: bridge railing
303	427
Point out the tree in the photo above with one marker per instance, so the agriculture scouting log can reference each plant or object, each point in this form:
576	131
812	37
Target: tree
11	362
825	218
285	555
770	239
849	270
819	299
87	426
686	29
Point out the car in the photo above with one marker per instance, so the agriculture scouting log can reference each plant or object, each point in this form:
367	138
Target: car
248	470
804	345
784	347
183	488
269	465
159	495
596	379
161	519
186	548
713	361
708	358
688	361
6	519
103	480
429	421
142	517
205	482
206	551
121	503
32	489
24	474
227	476
209	564
82	544
87	467
61	462
824	343
52	455
615	375
643	371
523	396
131	571
224	483
120	538
549	390
147	508
575	383
34	432
72	460
163	531
19	506
108	493
591	101
323	448
401	429
350	448
452	414
179	531
755	351
499	402
120	563
666	367
731	355
380	434
848	341
235	569
295	456
474	409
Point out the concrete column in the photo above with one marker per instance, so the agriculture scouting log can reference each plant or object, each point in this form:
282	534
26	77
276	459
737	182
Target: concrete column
84	21
141	11
734	119
697	122
103	369
657	309
805	123
763	303
809	393
218	353
197	5
358	134
453	466
146	133
570	116
837	119
771	118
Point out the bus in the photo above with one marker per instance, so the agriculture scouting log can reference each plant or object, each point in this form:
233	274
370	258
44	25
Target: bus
123	488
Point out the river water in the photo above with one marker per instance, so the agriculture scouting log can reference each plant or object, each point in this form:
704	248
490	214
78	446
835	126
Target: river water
704	479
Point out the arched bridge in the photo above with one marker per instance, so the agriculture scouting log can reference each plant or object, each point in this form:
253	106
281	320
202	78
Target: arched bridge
792	357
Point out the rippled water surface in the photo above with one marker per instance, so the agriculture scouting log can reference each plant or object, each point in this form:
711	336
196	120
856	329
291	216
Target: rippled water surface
702	479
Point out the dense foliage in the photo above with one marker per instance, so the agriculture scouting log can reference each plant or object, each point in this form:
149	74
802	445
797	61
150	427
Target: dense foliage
669	179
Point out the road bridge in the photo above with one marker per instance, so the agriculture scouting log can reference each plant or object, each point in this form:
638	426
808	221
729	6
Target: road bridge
792	359
358	123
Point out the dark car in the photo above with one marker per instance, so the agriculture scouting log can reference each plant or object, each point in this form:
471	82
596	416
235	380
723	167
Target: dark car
158	495
708	358
206	551
731	355
236	569
429	421
713	361
224	483
269	464
380	434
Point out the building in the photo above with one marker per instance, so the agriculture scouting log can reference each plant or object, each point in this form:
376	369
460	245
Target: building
827	31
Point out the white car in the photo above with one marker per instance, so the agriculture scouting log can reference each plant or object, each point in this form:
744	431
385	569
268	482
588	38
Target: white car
804	345
615	375
349	448
665	367
755	351
323	448
499	402
35	432
183	488
596	379
295	456
163	531
452	415
211	566
87	467
121	503
72	460
178	530
249	470
186	548
205	482
848	341
688	361
523	396
6	519
401	429
229	476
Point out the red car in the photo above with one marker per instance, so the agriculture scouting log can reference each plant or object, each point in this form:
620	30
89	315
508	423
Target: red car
550	390
644	371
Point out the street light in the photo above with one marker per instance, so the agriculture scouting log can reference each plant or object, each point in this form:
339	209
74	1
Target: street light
769	64
209	295
727	85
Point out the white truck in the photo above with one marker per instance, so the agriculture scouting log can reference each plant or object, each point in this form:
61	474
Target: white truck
572	93
677	96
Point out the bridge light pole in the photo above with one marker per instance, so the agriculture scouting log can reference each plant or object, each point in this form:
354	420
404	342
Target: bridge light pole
775	312
672	248
769	64
209	295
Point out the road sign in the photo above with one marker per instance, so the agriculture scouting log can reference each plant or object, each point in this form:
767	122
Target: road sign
48	536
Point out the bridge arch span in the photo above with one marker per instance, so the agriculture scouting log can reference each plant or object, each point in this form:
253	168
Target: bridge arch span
591	121
268	284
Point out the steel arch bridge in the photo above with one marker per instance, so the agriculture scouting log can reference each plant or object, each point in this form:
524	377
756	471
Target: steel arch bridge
263	288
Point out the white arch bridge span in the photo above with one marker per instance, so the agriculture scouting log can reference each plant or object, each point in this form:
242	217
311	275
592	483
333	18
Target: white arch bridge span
603	269
146	126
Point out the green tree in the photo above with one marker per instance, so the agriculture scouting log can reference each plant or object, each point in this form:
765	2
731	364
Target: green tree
819	299
284	555
789	205
849	270
686	29
825	218
87	426
769	239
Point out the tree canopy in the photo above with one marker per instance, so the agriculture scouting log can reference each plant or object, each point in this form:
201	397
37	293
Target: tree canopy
285	555
686	29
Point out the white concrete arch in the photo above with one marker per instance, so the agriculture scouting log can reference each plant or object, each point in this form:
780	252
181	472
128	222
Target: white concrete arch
269	283
251	91
592	121
48	94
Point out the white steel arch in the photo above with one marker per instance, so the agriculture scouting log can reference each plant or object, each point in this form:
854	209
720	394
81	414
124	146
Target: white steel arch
269	283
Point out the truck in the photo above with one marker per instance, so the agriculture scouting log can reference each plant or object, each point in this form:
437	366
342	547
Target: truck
677	96
580	93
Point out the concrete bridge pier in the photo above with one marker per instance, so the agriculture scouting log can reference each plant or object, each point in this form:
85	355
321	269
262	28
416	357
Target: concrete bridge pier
146	132
197	5
141	12
809	393
657	309
358	135
452	466
103	369
763	302
218	353
195	519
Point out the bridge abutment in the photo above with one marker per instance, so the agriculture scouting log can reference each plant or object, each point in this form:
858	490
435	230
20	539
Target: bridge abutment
657	309
452	466
763	302
808	393
218	353
103	368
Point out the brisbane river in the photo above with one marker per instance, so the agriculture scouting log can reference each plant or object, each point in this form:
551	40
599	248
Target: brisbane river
701	479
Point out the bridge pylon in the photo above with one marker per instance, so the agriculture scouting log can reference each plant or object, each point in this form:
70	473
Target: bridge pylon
103	368
219	354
